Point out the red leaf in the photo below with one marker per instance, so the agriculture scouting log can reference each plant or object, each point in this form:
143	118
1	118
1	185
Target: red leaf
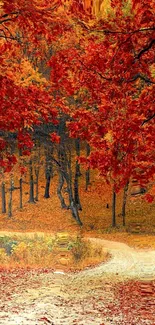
149	198
55	138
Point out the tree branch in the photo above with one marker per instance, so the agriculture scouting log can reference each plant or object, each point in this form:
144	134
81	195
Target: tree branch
5	20
11	13
145	49
8	37
148	119
139	76
106	31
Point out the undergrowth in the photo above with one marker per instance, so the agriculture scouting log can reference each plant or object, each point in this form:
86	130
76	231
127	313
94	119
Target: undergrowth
48	251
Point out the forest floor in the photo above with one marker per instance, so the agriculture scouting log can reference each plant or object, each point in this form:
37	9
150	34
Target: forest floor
46	215
117	292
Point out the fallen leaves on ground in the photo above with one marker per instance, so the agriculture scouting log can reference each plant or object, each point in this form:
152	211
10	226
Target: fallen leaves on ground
35	296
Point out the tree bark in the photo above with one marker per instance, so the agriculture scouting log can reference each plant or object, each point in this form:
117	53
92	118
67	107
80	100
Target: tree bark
37	184
36	161
3	198
124	202
87	175
48	171
59	191
21	193
73	207
76	178
47	186
65	163
113	208
76	188
10	199
75	212
31	183
72	204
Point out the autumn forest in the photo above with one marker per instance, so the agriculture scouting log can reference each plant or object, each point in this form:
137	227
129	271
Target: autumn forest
77	160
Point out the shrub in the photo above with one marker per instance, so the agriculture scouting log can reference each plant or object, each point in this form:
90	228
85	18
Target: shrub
3	256
19	252
44	251
79	249
7	243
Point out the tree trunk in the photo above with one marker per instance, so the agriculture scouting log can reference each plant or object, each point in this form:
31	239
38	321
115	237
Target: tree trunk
75	212
76	188
124	202
65	163
3	198
113	209
37	184
77	149
74	208
31	183
59	191
76	178
88	170
72	203
37	159
48	171
21	193
10	199
47	187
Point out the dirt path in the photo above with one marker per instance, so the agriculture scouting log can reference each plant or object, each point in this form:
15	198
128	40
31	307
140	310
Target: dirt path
126	262
113	293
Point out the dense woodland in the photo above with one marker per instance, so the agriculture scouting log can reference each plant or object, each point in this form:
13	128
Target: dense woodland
77	94
77	162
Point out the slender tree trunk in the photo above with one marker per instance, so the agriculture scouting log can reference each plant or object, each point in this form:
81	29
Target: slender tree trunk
47	186
65	164
10	199
72	203
66	169
124	202
113	209
37	168
75	212
37	184
21	193
74	208
31	183
77	148
48	171
76	178
88	170
62	171
3	198
68	175
59	191
76	188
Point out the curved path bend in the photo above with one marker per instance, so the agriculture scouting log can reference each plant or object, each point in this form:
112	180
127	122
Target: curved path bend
91	296
125	261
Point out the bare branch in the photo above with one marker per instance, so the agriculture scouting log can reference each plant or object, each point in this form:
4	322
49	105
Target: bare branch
5	20
108	31
8	37
11	13
145	49
139	76
148	119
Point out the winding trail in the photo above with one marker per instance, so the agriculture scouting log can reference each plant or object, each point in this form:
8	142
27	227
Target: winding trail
92	296
126	262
